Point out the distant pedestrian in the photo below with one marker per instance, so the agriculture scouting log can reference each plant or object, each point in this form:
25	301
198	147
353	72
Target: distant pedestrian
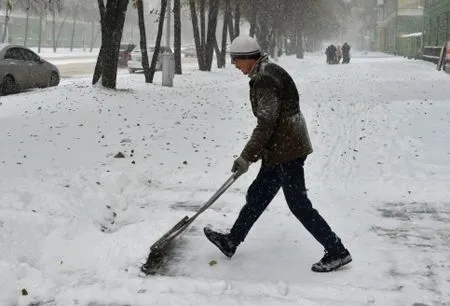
327	54
338	54
345	53
333	58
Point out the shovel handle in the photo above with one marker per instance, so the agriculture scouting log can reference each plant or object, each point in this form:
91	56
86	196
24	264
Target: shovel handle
215	196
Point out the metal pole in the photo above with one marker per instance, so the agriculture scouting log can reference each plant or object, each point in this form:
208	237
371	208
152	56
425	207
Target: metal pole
168	62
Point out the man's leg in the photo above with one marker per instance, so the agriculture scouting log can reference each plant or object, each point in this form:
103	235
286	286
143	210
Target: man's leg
293	183
259	195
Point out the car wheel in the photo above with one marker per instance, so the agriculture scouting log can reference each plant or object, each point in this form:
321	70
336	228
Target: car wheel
8	85
53	79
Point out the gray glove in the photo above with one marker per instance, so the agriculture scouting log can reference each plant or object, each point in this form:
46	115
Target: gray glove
240	166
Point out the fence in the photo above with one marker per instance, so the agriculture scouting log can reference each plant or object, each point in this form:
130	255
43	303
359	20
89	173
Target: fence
440	55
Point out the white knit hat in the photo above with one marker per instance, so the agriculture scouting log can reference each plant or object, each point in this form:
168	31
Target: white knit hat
245	47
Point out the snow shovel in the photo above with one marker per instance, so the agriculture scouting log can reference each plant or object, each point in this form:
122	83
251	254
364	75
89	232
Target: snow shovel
157	250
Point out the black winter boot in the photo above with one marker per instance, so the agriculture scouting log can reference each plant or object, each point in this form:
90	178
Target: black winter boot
222	241
331	262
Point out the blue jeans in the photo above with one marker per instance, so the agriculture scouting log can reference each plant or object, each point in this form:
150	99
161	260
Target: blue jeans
290	177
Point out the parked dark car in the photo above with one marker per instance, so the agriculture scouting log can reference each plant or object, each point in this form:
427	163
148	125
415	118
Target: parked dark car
21	68
125	54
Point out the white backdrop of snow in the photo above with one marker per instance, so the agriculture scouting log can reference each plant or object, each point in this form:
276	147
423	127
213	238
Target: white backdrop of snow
76	223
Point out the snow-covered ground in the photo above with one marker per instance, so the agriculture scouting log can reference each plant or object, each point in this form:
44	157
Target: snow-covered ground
76	223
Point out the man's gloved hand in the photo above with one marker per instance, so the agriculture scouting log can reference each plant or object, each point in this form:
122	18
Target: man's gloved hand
240	166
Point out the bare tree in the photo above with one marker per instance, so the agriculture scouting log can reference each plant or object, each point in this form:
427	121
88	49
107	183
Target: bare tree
162	14
42	10
27	10
211	36
221	55
199	47
274	22
237	18
205	41
8	9
75	9
177	35
143	39
112	18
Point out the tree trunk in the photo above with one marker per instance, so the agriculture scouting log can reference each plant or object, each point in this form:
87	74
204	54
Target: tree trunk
202	24
262	34
143	42
299	45
177	36
237	19
53	10
115	17
211	37
198	46
60	30
27	19
73	28
158	39
221	62
99	65
94	37
5	25
218	55
230	25
253	19
41	18
112	19
83	39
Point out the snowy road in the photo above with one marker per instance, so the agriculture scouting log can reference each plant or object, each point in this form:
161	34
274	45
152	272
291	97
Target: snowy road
70	67
75	223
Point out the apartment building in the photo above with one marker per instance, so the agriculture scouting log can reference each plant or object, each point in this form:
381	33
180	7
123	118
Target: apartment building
436	22
398	19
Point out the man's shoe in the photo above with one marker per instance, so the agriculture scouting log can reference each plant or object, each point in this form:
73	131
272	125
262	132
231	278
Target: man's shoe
222	241
331	262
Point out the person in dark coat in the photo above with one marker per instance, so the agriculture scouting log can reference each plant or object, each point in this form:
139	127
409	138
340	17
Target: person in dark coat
333	51
345	53
281	140
333	58
328	55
